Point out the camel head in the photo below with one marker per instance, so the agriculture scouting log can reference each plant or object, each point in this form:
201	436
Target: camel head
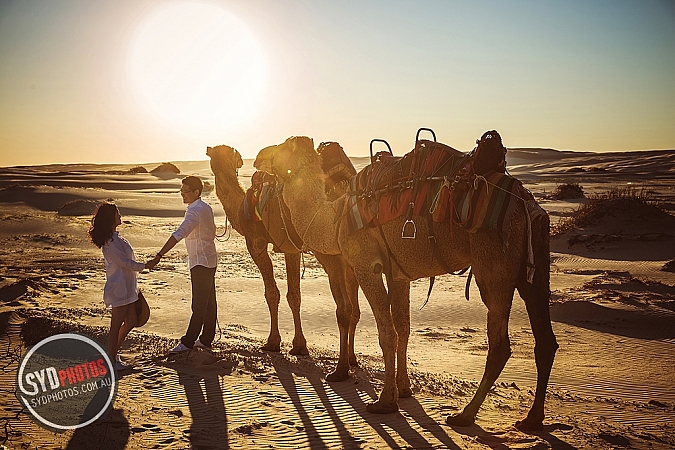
284	159
224	158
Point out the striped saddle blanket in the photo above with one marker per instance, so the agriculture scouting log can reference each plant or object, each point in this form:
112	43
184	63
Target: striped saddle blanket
474	203
263	188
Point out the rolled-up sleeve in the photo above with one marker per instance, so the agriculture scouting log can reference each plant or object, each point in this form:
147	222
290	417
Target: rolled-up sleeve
115	255
189	223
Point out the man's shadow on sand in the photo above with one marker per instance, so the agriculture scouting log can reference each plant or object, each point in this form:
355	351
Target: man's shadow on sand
204	396
201	385
387	426
111	433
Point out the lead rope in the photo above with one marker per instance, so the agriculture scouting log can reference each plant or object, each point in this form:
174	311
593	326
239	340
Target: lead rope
218	236
227	228
283	221
302	254
219	333
304	247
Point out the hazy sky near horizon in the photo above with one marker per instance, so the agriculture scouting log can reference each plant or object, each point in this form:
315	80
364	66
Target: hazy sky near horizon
140	81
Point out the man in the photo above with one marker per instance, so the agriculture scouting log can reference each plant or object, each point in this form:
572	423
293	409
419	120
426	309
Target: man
199	231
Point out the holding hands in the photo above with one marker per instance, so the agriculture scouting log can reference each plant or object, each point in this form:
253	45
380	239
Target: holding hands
170	243
153	262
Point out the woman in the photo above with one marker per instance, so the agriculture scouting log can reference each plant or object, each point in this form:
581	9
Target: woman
120	291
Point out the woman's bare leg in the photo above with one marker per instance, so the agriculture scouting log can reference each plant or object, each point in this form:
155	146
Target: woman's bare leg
130	321
116	320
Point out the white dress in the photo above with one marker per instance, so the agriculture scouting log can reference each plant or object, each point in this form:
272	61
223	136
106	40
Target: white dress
120	272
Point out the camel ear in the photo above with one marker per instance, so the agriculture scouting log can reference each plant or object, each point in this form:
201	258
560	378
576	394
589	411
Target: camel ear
238	162
292	143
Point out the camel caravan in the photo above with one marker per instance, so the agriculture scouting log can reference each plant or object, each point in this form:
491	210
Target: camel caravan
433	211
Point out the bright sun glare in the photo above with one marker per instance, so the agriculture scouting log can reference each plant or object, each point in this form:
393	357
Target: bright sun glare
197	68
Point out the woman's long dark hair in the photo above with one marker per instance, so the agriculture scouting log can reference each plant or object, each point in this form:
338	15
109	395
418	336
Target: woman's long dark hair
102	224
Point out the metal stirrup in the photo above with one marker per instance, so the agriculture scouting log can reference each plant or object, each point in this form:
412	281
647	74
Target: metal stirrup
405	232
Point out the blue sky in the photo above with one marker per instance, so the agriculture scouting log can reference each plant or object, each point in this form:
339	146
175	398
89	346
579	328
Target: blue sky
141	81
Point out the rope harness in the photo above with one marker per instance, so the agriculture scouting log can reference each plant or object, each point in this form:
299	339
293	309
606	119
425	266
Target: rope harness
227	228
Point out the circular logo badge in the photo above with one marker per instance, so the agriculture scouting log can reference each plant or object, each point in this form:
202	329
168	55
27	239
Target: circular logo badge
66	381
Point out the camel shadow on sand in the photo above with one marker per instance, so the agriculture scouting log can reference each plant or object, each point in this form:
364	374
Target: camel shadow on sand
329	406
504	440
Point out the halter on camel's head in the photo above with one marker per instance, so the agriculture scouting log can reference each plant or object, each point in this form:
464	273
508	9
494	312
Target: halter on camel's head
490	154
279	159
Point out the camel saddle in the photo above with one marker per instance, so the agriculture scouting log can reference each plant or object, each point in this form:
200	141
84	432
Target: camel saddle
437	181
391	184
388	172
263	188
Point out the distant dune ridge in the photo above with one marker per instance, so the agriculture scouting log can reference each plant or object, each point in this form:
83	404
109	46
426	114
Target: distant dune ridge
648	163
24	183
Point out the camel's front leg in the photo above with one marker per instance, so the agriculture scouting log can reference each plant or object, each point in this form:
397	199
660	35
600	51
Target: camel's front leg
373	288
400	311
499	351
352	287
294	300
257	247
334	267
544	352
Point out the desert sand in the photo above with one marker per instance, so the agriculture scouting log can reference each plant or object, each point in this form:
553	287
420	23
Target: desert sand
612	306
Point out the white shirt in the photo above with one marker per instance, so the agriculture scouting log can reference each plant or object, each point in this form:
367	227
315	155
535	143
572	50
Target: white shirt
199	231
120	272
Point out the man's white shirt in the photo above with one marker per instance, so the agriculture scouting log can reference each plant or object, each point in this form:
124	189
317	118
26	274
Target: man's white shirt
199	231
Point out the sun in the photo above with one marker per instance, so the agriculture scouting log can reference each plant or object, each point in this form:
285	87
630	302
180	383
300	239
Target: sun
197	68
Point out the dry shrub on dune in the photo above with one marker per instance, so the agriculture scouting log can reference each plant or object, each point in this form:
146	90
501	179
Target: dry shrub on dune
166	167
80	207
567	191
208	188
622	203
138	169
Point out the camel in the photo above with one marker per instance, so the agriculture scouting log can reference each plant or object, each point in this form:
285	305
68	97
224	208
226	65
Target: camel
276	228
498	272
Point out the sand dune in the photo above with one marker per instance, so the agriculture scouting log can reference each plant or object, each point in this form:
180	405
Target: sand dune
612	306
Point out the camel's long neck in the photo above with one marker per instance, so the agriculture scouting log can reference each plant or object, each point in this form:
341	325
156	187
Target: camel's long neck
231	195
313	216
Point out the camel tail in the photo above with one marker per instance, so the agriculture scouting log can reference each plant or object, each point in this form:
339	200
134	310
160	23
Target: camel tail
538	292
